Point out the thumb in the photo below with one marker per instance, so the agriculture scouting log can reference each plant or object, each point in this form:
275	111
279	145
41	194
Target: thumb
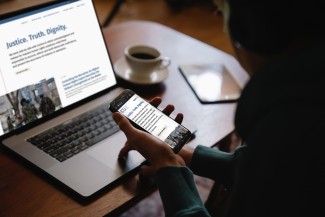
123	123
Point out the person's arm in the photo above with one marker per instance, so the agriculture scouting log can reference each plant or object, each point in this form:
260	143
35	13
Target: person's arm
178	192
213	163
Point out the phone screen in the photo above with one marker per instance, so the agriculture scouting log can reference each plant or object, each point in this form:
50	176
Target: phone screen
154	121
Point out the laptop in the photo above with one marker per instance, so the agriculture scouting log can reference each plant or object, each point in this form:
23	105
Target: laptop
56	82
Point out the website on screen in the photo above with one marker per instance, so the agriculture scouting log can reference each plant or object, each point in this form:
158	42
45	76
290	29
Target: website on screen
50	59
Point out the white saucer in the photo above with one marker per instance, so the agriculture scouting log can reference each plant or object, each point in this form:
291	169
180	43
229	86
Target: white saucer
122	70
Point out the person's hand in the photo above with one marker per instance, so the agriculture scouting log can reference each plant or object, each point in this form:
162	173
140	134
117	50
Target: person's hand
186	153
157	153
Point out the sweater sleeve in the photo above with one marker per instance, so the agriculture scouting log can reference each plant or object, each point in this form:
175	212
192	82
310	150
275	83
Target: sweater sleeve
215	164
178	192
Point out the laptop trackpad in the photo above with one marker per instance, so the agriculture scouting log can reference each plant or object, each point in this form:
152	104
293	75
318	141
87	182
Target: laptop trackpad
107	153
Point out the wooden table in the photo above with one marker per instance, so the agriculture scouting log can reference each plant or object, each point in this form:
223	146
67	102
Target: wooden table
26	191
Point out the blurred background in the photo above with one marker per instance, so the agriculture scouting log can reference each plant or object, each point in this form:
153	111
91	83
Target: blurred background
197	18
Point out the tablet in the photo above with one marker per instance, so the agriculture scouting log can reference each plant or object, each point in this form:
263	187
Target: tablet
211	83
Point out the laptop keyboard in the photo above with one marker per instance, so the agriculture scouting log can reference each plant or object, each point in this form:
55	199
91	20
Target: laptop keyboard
76	135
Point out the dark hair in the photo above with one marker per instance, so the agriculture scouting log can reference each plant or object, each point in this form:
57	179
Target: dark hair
267	26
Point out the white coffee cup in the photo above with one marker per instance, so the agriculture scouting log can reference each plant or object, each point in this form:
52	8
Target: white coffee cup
143	60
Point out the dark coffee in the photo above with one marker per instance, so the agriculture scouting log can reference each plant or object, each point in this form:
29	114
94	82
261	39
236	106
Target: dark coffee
144	56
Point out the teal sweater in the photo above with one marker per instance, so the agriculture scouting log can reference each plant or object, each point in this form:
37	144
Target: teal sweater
281	170
179	180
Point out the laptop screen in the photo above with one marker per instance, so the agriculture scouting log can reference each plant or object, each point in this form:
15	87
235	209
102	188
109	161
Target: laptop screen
50	58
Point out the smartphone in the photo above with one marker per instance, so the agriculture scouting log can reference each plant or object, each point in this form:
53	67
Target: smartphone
148	118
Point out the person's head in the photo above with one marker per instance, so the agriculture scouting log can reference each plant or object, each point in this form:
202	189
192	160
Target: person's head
266	29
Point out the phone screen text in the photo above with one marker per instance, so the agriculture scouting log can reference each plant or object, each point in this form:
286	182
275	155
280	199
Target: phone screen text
153	121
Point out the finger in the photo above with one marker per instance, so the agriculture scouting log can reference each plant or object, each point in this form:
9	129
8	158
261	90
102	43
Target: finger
124	124
147	170
155	101
125	150
179	118
168	109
